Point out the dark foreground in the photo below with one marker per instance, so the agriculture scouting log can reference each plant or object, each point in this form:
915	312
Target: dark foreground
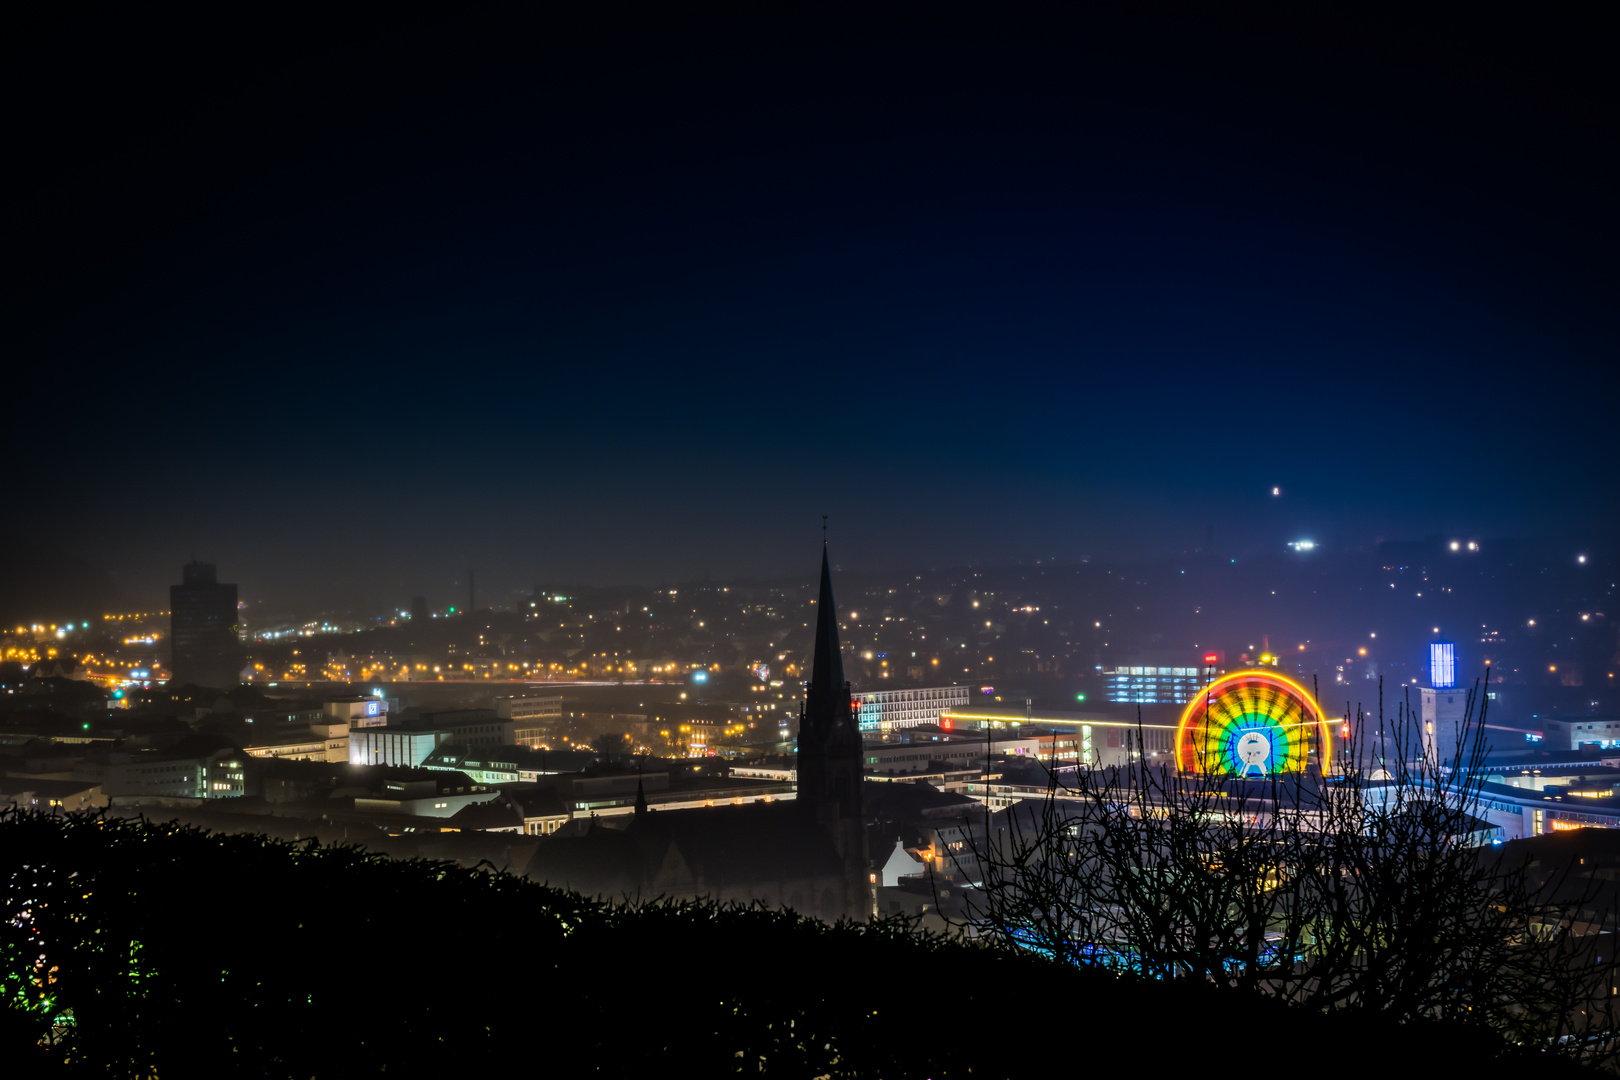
181	953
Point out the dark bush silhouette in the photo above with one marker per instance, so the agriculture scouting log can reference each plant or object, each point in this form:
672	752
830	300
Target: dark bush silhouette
147	949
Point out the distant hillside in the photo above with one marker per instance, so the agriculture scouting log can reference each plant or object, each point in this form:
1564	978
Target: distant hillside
50	583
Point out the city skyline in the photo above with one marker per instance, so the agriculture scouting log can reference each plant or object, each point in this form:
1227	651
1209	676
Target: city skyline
438	438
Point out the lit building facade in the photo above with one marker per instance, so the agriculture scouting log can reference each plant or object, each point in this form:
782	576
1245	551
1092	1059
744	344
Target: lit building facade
392	746
317	742
356	712
887	710
534	719
1167	682
411	742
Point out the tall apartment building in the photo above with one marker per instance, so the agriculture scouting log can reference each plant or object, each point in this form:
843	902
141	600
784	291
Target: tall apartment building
886	710
203	629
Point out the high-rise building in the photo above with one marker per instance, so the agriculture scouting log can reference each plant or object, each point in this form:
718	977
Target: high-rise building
419	609
203	629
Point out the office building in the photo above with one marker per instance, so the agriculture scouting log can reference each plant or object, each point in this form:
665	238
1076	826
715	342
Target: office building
888	710
302	742
212	774
1095	738
358	711
534	719
1159	678
203	629
410	742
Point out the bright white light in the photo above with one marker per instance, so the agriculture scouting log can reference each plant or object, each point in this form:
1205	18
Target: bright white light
1276	491
1580	558
1455	545
1302	545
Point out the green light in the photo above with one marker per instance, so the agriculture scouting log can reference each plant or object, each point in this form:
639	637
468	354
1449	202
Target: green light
1079	697
452	611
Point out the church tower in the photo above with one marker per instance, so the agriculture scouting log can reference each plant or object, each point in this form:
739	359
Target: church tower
830	753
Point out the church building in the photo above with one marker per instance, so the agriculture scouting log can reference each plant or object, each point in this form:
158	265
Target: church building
808	854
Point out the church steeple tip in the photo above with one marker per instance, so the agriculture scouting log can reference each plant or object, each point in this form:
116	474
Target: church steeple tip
827	664
828	717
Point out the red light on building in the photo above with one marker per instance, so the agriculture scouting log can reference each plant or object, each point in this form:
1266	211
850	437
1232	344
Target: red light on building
1210	658
946	723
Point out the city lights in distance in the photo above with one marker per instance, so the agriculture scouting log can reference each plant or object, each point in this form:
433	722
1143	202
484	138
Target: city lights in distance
1276	491
1302	545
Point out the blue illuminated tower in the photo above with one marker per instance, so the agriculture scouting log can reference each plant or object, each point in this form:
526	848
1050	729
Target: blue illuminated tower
1442	665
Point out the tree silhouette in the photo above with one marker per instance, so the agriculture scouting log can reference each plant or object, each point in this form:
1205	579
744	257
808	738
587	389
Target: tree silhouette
1327	892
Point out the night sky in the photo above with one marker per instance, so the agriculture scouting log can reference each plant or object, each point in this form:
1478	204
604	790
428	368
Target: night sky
349	308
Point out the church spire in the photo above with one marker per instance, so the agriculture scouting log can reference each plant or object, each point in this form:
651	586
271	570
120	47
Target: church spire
828	720
827	666
829	762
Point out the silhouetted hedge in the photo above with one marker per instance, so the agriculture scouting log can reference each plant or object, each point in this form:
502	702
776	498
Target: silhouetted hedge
176	952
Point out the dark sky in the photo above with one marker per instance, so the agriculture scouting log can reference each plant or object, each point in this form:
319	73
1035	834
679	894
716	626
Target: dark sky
349	307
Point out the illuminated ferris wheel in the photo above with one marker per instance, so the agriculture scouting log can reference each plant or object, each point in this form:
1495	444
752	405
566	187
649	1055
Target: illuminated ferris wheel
1252	723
